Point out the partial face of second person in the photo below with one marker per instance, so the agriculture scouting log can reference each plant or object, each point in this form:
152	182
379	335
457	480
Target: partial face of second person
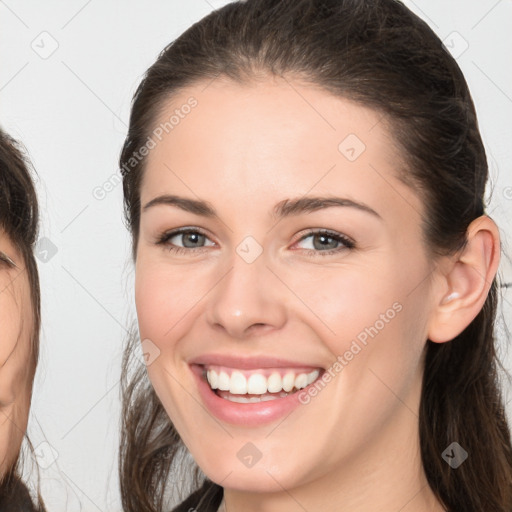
16	322
304	300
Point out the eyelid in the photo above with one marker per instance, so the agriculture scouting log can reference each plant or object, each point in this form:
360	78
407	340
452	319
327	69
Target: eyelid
4	258
325	231
185	229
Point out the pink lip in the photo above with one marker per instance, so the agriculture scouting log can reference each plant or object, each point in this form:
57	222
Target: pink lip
251	414
247	363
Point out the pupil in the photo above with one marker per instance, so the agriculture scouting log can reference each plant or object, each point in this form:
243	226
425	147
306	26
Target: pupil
189	236
323	245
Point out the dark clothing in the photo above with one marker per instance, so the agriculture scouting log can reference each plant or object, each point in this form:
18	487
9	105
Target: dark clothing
14	497
206	499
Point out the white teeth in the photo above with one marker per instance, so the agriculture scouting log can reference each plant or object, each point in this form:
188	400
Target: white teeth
257	383
238	383
288	381
274	383
223	382
267	398
301	381
251	399
213	379
313	376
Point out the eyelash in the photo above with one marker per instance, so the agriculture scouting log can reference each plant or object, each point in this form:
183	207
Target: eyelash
347	242
5	260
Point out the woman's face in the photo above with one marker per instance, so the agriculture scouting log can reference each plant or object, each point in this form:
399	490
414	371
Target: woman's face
257	294
16	321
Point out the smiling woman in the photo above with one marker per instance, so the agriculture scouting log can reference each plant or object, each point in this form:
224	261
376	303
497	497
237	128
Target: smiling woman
19	318
315	272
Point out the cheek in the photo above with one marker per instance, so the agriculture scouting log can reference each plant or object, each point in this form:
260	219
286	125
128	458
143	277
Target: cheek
15	371
368	320
150	310
10	317
165	298
158	308
11	327
15	339
13	423
340	301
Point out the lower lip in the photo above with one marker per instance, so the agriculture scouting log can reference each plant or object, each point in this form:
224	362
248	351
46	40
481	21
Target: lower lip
250	414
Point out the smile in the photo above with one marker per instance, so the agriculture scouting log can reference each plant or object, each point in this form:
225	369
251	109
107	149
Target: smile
251	386
252	391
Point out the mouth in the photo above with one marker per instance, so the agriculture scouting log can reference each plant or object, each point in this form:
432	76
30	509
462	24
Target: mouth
258	385
252	391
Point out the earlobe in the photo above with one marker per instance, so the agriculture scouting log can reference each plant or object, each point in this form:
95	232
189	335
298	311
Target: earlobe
468	280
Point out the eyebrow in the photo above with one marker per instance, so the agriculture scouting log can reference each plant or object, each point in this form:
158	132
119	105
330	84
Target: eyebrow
285	208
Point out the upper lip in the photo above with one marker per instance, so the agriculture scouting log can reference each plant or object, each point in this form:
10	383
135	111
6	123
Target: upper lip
248	363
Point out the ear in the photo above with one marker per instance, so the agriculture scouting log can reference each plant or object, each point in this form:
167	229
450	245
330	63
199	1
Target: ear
465	281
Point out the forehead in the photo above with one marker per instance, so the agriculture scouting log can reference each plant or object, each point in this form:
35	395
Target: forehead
273	136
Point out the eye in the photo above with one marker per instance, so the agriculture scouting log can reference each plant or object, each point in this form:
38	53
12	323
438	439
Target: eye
183	240
325	242
4	259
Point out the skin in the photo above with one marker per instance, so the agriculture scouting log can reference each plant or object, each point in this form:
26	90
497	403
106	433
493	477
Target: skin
243	149
16	319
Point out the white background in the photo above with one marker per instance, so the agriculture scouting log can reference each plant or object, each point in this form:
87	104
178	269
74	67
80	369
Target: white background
71	111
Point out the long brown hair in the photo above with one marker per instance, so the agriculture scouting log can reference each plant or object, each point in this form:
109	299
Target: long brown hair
19	218
381	55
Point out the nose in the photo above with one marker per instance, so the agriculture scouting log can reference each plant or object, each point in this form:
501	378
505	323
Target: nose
247	300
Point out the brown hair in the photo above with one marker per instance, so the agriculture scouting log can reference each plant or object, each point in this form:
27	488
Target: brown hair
381	55
19	218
